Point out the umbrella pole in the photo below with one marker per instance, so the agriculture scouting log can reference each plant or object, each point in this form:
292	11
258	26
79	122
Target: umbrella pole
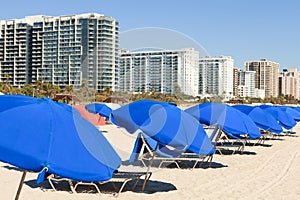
148	170
21	185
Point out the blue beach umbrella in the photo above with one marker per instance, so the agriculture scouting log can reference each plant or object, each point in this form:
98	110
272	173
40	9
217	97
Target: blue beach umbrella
231	120
290	111
41	135
101	109
284	119
261	118
297	109
164	123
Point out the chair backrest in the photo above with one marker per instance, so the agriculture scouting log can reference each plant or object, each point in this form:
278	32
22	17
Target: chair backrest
214	133
162	150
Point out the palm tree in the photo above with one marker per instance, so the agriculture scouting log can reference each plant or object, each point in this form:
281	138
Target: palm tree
28	90
7	87
68	89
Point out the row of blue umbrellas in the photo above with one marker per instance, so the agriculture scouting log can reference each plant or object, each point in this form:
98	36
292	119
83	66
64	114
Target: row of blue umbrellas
43	136
234	120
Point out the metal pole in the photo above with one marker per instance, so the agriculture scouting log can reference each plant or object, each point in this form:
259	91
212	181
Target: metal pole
21	184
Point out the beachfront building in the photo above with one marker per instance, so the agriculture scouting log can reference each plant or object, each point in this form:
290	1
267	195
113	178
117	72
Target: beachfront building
216	76
235	81
14	52
164	71
266	77
259	93
63	50
289	82
246	86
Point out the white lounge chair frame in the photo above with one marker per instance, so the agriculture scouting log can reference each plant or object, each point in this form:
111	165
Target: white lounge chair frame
151	155
118	177
221	141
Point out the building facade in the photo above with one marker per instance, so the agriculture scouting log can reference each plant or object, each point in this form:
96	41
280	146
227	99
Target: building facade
163	71
216	76
289	83
246	86
260	93
266	77
63	50
235	81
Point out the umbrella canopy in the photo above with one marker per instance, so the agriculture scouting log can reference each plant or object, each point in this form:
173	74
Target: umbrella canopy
39	133
261	118
231	120
285	120
165	123
290	111
101	109
296	108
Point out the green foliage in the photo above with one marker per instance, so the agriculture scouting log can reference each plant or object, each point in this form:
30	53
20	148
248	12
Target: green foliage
86	94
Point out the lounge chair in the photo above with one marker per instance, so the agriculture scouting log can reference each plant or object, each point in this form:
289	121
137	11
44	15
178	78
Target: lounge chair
265	135
147	149
118	177
222	142
289	132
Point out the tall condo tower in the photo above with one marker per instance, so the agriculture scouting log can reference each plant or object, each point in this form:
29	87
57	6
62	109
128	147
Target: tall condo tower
266	76
63	50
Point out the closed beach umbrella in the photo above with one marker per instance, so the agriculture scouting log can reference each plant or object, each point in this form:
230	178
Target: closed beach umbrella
284	119
290	111
101	109
297	109
38	134
261	118
165	123
231	120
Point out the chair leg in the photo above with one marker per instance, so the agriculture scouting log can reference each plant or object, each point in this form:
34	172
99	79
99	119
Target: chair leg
122	186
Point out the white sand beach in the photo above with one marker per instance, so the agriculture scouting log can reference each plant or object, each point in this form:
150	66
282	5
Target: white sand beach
262	172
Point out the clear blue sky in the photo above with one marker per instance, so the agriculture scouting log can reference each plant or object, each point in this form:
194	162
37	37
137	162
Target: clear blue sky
244	29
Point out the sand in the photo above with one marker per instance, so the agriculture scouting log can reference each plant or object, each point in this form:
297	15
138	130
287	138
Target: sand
262	172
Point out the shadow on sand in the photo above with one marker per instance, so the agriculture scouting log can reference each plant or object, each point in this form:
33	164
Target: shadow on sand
12	168
106	188
233	152
182	164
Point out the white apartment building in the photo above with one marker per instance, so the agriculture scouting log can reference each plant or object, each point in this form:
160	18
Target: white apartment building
216	76
63	50
259	93
246	86
160	70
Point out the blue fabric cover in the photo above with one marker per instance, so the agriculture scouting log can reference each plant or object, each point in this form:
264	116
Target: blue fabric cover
38	133
290	111
231	120
102	109
164	123
285	120
261	118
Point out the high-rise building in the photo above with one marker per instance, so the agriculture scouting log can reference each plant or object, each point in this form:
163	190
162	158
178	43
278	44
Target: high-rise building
289	82
15	52
63	50
163	71
235	81
246	86
216	75
266	77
